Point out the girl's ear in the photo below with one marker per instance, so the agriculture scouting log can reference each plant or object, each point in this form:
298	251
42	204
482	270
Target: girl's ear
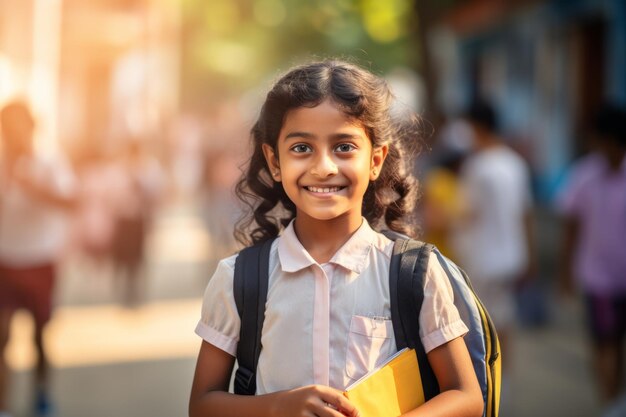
272	161
378	158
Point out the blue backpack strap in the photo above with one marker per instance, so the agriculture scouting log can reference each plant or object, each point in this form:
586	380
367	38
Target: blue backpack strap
481	338
408	267
250	291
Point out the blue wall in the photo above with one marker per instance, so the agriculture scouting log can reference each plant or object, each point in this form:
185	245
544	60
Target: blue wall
530	64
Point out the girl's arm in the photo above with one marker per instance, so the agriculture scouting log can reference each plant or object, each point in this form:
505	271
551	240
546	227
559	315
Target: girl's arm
210	396
460	393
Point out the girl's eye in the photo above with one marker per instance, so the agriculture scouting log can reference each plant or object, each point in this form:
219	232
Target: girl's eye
301	148
345	147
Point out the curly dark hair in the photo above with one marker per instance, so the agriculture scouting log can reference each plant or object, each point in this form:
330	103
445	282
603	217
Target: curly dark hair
389	201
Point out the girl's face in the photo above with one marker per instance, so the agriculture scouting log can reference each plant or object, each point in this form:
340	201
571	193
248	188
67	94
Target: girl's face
325	162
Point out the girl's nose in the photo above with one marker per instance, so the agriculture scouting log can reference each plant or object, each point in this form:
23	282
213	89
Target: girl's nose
324	166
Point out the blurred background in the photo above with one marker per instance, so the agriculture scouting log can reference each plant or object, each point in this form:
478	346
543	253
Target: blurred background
150	103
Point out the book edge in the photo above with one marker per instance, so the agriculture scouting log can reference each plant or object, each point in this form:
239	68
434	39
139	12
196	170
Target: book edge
376	369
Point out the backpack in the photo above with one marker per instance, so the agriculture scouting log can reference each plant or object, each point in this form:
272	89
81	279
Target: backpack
408	267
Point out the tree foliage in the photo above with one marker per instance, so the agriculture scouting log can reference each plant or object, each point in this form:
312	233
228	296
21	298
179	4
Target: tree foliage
230	46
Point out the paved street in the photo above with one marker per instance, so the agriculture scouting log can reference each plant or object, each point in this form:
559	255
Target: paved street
110	360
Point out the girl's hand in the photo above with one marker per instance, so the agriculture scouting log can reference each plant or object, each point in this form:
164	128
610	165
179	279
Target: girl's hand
313	400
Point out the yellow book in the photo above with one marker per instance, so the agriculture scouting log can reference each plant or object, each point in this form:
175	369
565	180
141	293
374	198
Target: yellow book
390	390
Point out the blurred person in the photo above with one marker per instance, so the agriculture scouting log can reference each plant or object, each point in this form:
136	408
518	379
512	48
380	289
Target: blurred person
36	194
94	217
441	202
137	184
494	236
220	207
593	206
184	156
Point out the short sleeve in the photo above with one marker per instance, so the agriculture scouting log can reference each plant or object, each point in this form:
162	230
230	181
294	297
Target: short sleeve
440	321
571	199
219	322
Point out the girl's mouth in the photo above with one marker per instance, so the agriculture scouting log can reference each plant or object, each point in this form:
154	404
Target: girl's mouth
324	190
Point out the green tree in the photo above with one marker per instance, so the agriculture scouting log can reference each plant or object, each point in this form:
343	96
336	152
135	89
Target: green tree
230	46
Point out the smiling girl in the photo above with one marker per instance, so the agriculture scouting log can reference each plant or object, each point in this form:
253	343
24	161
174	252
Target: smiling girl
328	168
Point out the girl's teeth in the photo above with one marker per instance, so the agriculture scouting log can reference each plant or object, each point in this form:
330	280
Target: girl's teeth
323	190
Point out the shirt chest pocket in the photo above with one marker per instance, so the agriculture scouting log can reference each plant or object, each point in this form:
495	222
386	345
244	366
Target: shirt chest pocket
370	342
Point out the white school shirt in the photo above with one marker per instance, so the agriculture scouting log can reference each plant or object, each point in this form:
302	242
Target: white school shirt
496	184
33	232
326	324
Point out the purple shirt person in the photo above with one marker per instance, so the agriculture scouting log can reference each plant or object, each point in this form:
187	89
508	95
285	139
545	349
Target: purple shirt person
596	199
594	245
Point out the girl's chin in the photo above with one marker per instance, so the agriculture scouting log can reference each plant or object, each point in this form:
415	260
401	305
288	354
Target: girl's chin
328	216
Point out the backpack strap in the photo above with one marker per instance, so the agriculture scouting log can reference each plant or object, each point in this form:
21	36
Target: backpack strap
250	291
407	270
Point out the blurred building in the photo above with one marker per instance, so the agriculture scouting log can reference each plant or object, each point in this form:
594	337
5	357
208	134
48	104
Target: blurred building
94	71
546	65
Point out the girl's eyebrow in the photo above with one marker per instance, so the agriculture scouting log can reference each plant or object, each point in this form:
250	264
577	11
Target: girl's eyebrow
346	136
335	136
304	135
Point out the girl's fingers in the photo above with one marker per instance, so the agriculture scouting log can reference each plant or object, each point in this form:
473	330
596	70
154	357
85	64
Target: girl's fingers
328	410
339	404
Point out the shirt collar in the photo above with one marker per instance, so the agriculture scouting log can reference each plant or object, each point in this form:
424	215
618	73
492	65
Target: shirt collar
353	255
293	257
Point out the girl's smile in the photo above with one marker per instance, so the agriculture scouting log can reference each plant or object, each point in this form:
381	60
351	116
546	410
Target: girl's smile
325	162
324	190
